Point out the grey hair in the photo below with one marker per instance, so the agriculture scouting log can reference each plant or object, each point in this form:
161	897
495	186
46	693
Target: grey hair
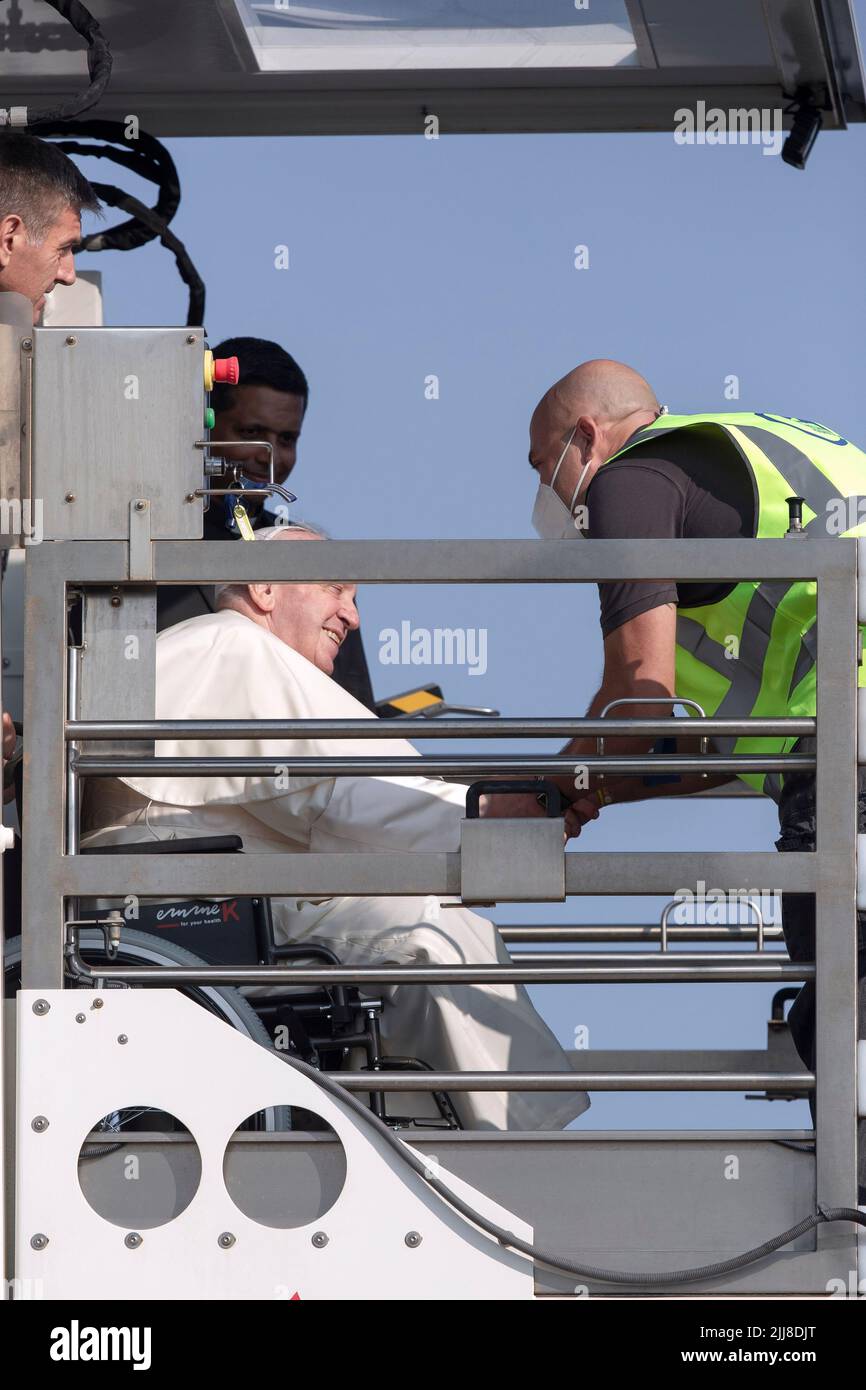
225	593
37	181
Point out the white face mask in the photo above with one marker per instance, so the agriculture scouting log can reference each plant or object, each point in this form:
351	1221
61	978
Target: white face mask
552	520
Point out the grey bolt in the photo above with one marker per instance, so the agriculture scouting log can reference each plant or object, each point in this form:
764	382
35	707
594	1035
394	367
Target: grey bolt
26	344
38	1242
71	340
70	497
6	662
190	497
97	1004
226	1240
140	505
122	1038
41	1007
116	600
412	1239
133	1240
81	1018
320	1240
39	1124
191	338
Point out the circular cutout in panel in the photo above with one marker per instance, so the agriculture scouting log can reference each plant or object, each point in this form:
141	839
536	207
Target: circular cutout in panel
287	1177
139	1167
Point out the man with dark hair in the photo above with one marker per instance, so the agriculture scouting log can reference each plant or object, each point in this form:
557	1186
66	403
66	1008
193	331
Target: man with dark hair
269	404
41	198
42	195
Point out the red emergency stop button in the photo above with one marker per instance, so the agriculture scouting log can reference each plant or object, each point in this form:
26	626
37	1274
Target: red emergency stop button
226	370
222	370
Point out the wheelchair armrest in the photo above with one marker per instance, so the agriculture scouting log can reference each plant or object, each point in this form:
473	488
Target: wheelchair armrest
299	952
205	844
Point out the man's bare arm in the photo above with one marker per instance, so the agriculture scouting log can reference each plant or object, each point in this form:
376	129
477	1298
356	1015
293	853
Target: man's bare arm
639	661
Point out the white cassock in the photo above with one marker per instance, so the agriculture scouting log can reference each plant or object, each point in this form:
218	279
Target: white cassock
225	666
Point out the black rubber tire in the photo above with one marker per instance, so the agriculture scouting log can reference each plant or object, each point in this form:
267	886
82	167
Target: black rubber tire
142	948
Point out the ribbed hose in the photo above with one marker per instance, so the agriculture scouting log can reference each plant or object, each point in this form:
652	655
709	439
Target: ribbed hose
148	159
562	1263
98	64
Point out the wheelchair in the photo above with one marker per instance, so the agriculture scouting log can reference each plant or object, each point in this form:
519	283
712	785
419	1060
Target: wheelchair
323	1027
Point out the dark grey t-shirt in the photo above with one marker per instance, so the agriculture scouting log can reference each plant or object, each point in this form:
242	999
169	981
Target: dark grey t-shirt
686	485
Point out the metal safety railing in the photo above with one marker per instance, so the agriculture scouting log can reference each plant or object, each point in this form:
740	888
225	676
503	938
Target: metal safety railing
584	967
61	754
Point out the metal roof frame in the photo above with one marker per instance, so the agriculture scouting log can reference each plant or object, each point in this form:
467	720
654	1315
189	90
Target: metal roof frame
189	70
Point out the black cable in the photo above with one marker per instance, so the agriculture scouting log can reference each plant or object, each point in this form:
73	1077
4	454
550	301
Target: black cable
148	159
562	1263
99	1151
99	62
187	271
144	156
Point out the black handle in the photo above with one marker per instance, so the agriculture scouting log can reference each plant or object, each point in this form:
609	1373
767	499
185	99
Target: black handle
780	999
553	803
795	515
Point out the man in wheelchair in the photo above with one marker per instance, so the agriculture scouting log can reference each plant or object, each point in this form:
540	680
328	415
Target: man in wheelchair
268	653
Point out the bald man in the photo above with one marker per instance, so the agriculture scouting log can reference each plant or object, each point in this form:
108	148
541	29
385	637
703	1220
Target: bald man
610	466
580	423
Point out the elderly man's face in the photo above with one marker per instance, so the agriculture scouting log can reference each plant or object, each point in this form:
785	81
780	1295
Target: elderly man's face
34	270
314	619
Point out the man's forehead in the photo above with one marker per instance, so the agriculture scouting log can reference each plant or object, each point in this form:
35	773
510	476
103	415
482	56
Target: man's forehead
294	533
261	404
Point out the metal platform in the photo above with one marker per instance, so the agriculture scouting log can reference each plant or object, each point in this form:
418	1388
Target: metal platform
586	1194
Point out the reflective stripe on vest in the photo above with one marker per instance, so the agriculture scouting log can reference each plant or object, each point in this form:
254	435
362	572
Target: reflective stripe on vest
755	651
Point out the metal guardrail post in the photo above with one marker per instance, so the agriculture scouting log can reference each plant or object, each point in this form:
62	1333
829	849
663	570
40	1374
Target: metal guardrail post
836	894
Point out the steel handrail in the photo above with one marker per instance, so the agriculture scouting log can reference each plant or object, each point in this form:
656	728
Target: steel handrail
107	729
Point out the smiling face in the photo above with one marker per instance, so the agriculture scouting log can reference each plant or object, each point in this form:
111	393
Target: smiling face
33	269
260	412
314	619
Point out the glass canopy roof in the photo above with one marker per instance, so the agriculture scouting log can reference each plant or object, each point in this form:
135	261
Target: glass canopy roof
352	35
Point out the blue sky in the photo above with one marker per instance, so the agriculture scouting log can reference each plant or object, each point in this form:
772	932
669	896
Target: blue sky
410	257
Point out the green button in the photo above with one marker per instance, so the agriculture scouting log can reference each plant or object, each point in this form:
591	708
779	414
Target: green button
209	417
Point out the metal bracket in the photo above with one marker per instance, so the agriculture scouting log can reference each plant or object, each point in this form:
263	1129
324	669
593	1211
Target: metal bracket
140	539
671	700
861	579
746	902
861	873
270	489
516	861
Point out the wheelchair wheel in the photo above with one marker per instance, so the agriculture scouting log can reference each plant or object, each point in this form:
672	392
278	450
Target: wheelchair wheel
141	948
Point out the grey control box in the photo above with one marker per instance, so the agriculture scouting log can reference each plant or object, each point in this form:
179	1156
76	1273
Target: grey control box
114	415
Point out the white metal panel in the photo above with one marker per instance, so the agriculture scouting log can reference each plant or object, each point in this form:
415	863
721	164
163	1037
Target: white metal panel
185	1061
